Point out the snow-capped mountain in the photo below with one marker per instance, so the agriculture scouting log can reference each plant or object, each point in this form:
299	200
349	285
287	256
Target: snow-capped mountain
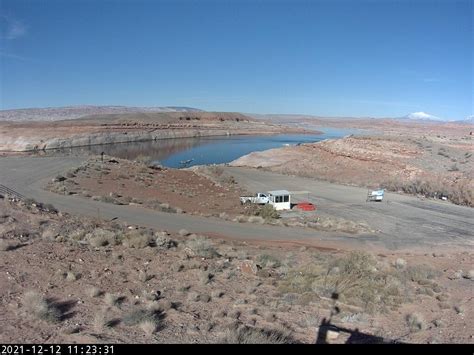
468	120
422	116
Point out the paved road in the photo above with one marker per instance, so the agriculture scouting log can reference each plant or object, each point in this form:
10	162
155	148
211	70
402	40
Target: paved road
406	222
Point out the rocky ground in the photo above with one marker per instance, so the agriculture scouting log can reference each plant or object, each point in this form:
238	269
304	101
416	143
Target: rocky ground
68	279
432	166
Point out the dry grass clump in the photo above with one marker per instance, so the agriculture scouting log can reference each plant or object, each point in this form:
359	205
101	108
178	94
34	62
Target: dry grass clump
202	247
101	237
217	293
266	213
149	320
400	263
93	291
415	322
112	299
338	224
268	261
148	326
38	306
354	279
469	275
144	276
421	274
165	207
163	241
459	309
206	277
249	335
136	239
71	276
103	320
183	233
256	219
193	296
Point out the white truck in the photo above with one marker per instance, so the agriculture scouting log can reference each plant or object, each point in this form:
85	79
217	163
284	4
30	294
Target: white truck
260	198
375	195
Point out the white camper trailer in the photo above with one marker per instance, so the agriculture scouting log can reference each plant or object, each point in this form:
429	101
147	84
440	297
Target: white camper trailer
280	199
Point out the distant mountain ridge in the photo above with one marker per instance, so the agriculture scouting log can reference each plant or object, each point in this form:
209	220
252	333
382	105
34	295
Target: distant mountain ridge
73	112
423	116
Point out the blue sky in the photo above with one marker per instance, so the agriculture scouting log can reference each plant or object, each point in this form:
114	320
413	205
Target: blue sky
337	58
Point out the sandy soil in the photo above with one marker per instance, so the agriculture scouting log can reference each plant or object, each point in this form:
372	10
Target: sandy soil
213	290
122	181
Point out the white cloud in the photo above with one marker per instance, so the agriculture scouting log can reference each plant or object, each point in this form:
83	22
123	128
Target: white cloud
12	56
11	28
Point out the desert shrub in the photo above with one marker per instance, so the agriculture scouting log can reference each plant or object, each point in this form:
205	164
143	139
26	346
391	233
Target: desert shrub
459	309
353	279
267	212
148	319
400	263
421	274
136	239
217	293
71	276
162	241
148	326
415	322
49	208
77	235
107	199
270	261
101	237
30	202
103	319
338	224
93	291
256	219
203	297
202	246
112	299
469	275
206	277
38	306
248	335
193	297
143	276
136	316
183	233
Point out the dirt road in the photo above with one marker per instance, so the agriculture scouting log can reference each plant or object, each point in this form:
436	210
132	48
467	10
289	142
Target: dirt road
406	223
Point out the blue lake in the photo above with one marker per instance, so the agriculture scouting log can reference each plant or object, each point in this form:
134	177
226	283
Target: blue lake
209	150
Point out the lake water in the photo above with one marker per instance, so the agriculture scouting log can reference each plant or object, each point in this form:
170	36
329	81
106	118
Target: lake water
208	150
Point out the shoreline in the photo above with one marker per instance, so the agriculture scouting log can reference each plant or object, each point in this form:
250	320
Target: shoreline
117	138
42	136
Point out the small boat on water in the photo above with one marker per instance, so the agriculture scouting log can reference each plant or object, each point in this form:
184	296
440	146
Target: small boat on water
186	162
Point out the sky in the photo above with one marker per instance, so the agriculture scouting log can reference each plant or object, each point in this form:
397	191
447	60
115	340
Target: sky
365	58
